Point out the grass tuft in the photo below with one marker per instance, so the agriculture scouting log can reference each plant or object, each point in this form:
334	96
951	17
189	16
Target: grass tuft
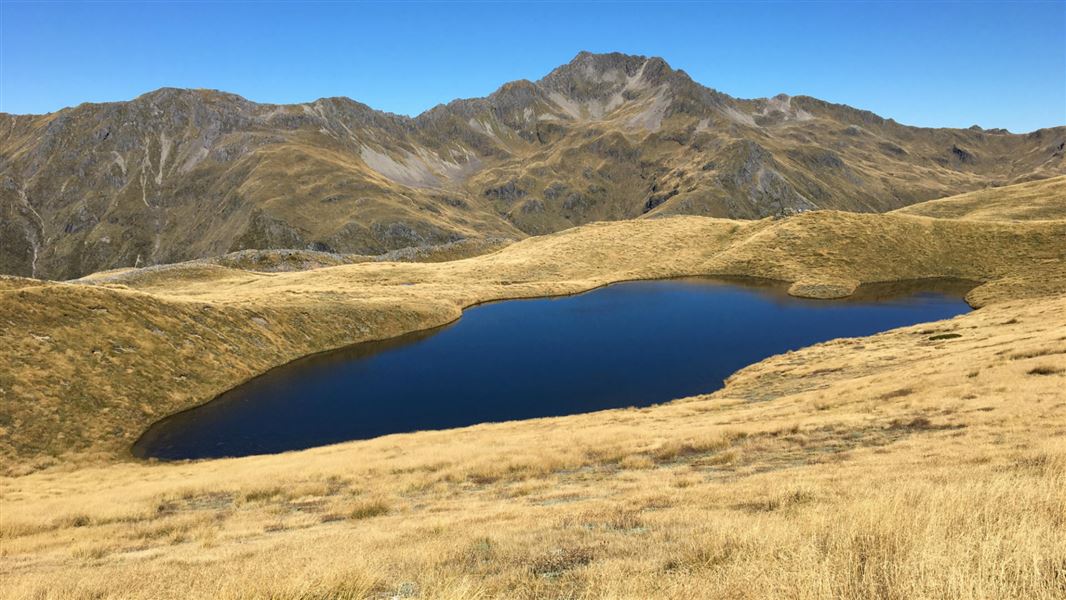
369	510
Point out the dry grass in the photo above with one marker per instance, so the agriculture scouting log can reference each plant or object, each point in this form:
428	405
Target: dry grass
925	462
1035	200
810	476
86	368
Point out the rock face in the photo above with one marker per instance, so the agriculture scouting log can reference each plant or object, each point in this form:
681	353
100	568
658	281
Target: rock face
181	174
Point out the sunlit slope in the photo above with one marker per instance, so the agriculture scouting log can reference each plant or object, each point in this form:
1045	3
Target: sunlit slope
926	462
1035	200
86	368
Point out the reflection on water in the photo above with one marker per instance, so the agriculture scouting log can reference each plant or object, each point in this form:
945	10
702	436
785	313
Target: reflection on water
630	344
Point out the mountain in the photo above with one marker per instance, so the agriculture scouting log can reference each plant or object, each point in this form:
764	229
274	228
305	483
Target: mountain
181	174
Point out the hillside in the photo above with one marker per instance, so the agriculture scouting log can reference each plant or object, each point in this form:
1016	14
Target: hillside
925	461
1032	201
176	175
88	366
922	462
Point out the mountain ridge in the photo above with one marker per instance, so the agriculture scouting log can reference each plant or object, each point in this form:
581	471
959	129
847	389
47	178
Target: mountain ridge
523	81
177	174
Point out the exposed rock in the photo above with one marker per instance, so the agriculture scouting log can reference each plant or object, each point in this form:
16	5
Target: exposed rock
656	199
962	154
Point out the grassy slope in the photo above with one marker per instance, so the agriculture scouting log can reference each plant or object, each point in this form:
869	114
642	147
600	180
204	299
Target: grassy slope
871	467
87	368
1036	200
927	468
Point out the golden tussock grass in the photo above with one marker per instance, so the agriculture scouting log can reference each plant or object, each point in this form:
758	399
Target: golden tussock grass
924	462
88	367
810	475
1035	200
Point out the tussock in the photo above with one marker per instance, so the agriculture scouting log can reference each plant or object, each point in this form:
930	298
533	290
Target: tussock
881	467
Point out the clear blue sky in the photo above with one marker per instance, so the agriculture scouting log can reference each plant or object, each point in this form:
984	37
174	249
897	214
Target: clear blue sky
950	64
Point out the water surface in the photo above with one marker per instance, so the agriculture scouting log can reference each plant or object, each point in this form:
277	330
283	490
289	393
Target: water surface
629	344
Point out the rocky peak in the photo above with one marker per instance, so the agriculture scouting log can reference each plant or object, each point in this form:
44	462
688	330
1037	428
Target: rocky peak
168	98
598	76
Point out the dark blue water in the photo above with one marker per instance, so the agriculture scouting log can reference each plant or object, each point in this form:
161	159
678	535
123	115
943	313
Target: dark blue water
630	344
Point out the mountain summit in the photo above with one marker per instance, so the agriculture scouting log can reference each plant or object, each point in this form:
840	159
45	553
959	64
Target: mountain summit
178	174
